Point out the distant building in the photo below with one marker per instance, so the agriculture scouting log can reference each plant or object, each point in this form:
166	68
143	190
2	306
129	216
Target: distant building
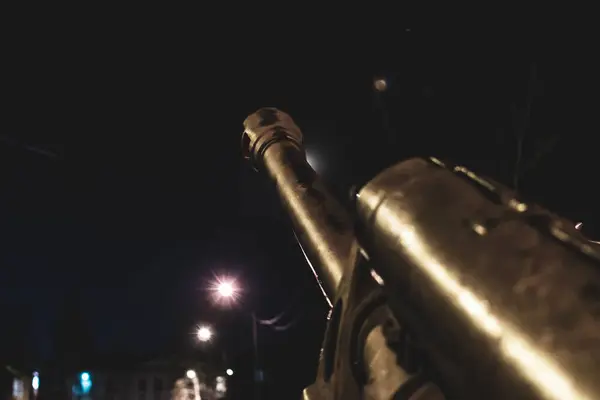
162	379
14	385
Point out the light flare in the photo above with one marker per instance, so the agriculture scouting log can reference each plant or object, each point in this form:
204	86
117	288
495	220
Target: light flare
224	290
204	333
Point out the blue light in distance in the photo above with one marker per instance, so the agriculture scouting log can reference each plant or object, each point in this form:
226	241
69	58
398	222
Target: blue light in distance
86	382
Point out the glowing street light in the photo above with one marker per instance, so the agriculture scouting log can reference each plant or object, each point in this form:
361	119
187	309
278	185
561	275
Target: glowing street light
191	375
204	333
226	289
35	383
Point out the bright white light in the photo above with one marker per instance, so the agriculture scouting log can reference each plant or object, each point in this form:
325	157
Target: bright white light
314	161
229	371
85	376
35	381
226	289
191	374
221	386
204	334
310	159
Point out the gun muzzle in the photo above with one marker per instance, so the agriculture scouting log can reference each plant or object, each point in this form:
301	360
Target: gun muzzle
273	142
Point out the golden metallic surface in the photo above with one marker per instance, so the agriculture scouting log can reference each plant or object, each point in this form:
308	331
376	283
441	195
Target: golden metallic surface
326	236
321	225
520	307
500	294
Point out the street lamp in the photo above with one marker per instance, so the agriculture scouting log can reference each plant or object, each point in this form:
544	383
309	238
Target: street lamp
229	371
204	333
191	375
35	383
226	290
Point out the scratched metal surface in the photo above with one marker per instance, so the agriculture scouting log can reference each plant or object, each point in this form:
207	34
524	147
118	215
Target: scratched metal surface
512	290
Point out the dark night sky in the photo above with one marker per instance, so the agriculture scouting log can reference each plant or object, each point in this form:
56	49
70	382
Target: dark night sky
145	193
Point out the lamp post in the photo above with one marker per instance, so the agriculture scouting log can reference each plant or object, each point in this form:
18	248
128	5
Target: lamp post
227	291
192	376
